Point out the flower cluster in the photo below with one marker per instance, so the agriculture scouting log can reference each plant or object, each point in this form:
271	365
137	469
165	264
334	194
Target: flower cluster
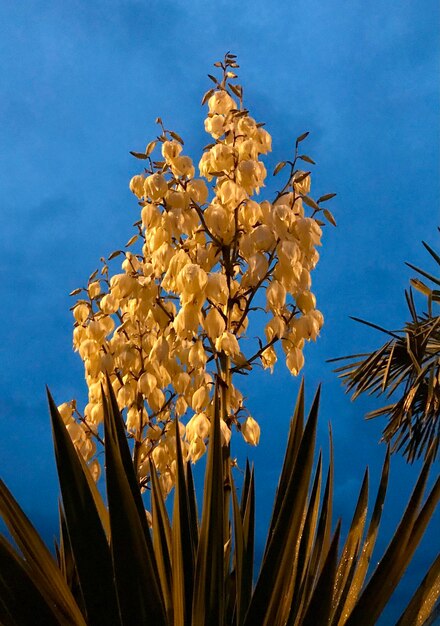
174	317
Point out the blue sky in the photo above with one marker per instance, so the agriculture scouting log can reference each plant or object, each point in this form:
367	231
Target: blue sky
81	85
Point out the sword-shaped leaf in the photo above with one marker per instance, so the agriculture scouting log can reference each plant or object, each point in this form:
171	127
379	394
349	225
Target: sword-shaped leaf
45	573
208	600
137	580
86	534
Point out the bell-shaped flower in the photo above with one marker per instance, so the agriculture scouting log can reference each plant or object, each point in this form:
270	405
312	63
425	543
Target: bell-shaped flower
215	125
221	103
227	343
225	433
197	190
230	194
150	216
109	304
187	320
309	232
182	166
66	411
133	419
275	296
246	126
217	288
191	279
198	426
155	186
205	167
276	327
214	324
251	431
306	301
81	312
263	238
264	141
220	222
268	358
197	449
256	272
222	158
171	150
200	399
197	355
137	185
249	214
95	469
295	360
251	175
156	399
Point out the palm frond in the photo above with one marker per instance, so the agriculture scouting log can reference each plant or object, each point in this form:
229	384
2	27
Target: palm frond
406	366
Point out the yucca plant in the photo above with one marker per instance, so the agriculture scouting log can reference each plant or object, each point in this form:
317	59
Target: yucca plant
407	365
110	568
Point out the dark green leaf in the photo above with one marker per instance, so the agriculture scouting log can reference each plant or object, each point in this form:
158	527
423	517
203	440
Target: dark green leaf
132	550
86	534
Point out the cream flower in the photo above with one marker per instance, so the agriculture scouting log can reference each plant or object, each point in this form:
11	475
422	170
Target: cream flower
227	343
171	150
137	185
221	102
155	186
215	125
250	431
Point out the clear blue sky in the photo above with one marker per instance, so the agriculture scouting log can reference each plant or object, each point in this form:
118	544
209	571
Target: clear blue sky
81	85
